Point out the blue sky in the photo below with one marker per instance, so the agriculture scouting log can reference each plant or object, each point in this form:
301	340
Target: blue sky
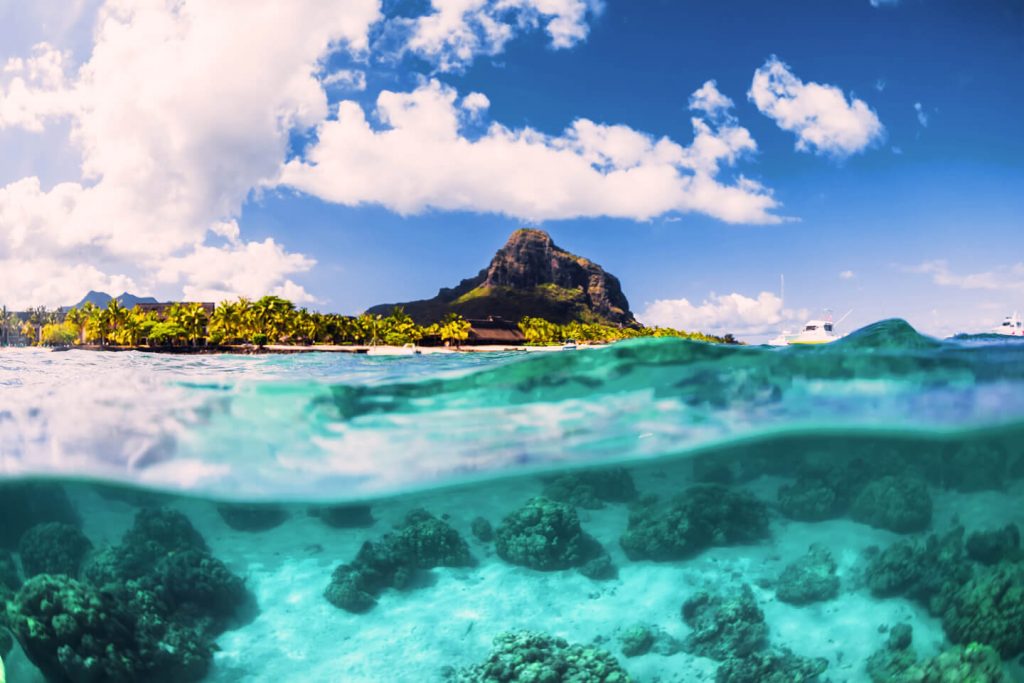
879	166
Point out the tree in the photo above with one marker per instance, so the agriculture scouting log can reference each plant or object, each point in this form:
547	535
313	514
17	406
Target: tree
454	328
58	334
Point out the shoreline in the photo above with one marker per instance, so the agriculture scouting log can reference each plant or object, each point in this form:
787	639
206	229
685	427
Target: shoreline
285	349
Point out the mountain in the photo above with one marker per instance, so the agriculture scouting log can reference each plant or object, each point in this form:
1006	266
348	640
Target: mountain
529	276
101	299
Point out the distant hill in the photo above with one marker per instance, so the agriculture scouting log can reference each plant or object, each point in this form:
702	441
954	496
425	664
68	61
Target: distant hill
101	299
529	276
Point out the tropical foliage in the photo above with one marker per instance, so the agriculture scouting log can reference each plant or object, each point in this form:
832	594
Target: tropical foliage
273	320
540	332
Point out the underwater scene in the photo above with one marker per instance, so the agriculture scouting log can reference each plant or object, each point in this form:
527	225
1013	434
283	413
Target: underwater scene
658	510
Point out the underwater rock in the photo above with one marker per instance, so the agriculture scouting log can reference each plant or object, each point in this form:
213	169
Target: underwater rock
421	542
53	548
73	632
252	517
344	516
973	663
194	582
712	469
525	657
809	500
771	666
989	609
699	518
811	578
975	467
640	639
899	504
482	529
896	661
154	606
926	572
590	489
636	640
724	625
25	504
992	547
547	536
9	578
156	533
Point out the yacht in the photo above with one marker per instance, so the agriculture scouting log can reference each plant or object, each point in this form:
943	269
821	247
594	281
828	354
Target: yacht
813	332
1012	326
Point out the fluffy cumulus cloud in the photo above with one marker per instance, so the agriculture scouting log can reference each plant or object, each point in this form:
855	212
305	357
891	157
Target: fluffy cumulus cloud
454	32
421	158
722	313
1001	278
821	116
181	109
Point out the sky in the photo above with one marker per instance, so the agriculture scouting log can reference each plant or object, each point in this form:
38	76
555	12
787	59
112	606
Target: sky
348	153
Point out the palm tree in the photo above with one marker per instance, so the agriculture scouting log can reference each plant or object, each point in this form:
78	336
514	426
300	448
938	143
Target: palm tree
455	328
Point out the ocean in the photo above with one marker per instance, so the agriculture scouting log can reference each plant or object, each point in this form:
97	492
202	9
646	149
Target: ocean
656	510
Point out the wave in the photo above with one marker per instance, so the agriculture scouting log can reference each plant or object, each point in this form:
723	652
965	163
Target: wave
337	426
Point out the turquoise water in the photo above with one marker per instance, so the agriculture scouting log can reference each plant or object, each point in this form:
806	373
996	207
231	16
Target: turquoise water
657	510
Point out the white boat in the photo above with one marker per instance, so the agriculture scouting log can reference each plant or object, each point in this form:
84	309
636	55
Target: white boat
1012	326
569	345
814	332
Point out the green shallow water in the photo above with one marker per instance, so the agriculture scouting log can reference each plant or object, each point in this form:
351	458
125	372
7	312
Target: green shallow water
659	511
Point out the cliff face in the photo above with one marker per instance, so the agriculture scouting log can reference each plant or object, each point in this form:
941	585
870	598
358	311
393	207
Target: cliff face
530	276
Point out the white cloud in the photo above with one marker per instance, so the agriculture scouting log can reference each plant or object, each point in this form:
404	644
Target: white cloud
476	103
454	32
251	269
847	275
880	85
347	79
420	160
884	3
34	89
820	115
1000	278
722	313
922	115
55	282
709	100
181	110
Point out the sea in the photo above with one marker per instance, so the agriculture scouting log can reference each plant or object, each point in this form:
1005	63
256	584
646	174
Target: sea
656	510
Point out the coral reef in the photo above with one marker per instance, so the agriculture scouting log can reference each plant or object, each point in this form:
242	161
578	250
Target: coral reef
547	536
810	578
900	504
989	609
525	657
155	534
972	663
482	530
700	517
356	516
252	517
809	499
9	579
925	572
590	489
992	547
150	609
421	542
896	661
974	467
26	504
53	548
73	632
771	666
724	626
639	639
